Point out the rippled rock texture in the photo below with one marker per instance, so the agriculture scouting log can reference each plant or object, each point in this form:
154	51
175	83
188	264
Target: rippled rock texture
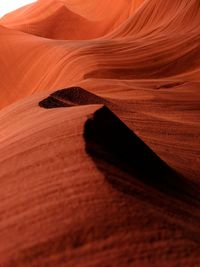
100	134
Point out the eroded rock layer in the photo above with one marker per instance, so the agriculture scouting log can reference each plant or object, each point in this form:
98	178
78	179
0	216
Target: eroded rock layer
100	134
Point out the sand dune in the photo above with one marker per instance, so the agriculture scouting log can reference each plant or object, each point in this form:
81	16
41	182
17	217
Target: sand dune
100	134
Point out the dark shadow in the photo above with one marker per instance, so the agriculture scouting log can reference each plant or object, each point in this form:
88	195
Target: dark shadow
170	85
109	140
129	165
69	97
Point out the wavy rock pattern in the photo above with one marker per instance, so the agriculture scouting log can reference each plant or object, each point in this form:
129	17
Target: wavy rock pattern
106	171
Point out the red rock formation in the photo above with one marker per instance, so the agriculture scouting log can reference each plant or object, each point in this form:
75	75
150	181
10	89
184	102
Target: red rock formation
100	134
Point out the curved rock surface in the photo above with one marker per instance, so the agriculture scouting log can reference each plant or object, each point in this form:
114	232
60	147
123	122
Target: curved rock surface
100	134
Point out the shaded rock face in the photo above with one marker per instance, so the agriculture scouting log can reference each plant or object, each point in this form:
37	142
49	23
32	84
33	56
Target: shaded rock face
105	133
71	97
126	160
99	134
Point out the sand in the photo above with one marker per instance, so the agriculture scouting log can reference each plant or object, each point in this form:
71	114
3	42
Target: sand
100	134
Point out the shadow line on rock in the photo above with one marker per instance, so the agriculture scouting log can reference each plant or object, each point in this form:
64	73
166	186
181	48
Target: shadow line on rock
128	164
72	96
108	138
